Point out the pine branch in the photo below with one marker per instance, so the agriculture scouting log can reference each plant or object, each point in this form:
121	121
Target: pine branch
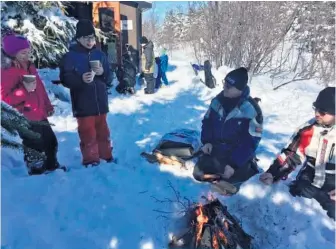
11	144
26	133
5	143
45	123
14	123
10	110
50	34
8	126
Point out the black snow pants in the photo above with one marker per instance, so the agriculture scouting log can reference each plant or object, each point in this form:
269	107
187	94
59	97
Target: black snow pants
47	145
209	165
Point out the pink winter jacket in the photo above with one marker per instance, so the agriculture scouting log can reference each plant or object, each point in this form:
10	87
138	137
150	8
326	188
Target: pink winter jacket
35	105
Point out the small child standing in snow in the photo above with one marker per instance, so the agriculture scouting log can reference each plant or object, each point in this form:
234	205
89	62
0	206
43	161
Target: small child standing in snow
164	66
85	71
22	88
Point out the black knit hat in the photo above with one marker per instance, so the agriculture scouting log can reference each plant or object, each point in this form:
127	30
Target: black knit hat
84	27
144	40
237	78
326	100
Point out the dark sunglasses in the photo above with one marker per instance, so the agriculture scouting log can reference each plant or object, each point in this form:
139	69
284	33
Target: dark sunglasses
321	112
227	84
89	38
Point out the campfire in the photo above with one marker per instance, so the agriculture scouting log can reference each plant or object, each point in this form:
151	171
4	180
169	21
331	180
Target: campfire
211	226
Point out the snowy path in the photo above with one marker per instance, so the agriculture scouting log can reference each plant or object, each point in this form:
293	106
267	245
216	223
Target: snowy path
112	206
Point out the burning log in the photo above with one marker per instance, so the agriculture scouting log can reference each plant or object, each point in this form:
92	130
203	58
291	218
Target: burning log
158	157
211	226
222	238
201	220
215	244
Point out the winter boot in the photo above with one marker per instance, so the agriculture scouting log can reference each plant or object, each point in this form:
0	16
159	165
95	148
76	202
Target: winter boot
35	168
90	165
131	90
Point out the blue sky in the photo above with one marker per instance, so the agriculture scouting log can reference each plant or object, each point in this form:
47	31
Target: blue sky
162	6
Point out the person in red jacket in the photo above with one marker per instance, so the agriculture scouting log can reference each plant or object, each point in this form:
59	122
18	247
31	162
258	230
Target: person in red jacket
312	146
30	98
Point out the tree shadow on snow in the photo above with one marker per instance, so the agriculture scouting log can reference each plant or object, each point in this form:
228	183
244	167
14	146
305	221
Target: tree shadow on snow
271	142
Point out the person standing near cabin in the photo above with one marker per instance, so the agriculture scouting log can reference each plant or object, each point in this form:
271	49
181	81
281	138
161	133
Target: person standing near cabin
312	145
157	73
147	63
162	63
85	71
22	88
164	66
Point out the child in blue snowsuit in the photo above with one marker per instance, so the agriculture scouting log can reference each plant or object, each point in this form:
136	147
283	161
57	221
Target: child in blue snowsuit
162	62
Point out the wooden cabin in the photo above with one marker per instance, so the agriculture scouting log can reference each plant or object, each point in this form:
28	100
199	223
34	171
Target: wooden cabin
121	21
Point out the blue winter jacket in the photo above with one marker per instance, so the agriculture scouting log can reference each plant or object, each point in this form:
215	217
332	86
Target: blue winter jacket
164	63
235	136
88	99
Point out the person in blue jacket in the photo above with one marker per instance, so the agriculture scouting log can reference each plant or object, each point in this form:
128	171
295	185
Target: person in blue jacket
87	81
162	63
231	132
164	66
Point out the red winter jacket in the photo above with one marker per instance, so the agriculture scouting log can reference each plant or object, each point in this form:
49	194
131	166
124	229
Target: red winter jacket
33	105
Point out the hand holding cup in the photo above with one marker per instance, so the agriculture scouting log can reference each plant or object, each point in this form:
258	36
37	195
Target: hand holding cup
29	82
97	67
88	77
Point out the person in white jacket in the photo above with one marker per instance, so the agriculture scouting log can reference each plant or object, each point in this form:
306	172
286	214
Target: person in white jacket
312	145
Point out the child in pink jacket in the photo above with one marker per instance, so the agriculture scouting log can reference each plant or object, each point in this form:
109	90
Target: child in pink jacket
30	98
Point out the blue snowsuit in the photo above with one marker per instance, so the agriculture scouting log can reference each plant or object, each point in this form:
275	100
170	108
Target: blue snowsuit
234	128
163	67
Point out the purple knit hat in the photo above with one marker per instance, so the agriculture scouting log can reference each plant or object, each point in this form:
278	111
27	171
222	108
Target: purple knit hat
12	44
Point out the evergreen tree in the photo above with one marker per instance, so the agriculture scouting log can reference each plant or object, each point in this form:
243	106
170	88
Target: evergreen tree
45	25
14	123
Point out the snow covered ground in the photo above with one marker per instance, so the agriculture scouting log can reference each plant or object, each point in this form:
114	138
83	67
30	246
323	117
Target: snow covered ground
116	205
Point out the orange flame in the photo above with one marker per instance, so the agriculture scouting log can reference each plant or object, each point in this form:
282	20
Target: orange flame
201	220
222	237
215	244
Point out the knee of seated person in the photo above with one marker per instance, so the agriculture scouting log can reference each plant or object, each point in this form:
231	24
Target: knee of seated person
295	189
198	175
